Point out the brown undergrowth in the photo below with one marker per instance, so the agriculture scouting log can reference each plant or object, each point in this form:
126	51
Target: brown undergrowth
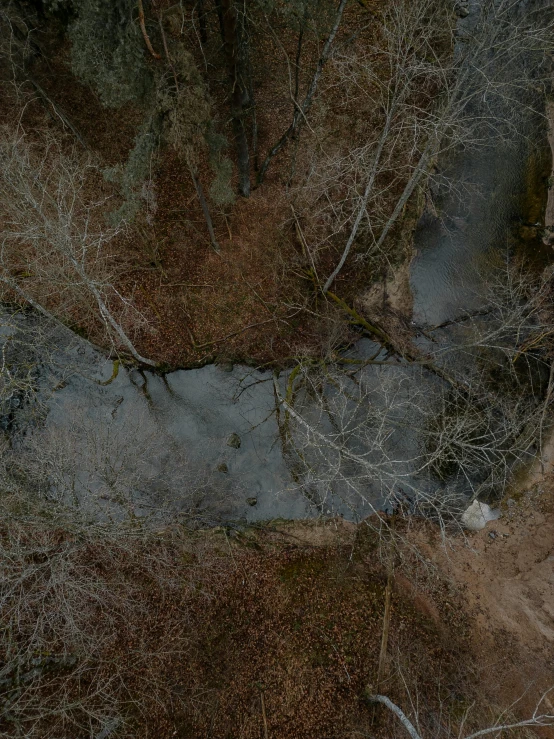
256	301
229	634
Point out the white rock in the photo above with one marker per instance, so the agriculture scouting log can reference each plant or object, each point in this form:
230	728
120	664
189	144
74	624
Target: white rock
477	515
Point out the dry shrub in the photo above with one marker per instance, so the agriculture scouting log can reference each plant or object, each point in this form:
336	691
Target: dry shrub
57	250
90	617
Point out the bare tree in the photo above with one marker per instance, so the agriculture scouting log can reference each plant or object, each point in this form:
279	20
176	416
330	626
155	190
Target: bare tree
378	432
120	468
187	111
425	92
234	40
19	47
301	109
410	37
55	246
68	589
353	442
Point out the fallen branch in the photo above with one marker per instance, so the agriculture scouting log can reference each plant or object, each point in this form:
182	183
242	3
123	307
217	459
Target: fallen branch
387	612
543	719
398	713
388	343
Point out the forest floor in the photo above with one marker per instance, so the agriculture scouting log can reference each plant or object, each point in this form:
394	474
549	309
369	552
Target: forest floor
471	630
490	596
255	301
275	631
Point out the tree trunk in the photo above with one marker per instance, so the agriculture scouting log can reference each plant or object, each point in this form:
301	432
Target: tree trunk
301	110
202	21
239	92
219	12
363	204
193	173
205	209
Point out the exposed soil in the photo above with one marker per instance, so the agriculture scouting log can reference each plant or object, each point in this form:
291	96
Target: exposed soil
506	573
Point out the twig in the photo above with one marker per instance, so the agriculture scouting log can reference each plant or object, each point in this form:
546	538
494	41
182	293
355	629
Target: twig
262	301
57	110
240	331
186	284
264	717
204	206
168	57
302	240
109	729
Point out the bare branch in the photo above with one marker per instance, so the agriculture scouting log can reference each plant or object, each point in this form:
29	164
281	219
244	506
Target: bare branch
301	110
397	712
145	35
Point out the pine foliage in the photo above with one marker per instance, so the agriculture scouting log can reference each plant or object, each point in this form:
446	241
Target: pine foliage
107	50
131	177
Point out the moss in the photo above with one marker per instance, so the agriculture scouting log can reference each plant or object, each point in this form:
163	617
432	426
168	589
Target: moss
115	372
163	368
79	330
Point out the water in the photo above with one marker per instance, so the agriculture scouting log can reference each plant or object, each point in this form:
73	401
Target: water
479	193
202	443
455	250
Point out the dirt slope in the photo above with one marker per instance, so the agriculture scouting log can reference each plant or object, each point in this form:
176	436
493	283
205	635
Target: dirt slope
506	572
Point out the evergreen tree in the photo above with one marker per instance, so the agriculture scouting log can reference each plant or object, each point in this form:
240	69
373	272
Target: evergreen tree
107	50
